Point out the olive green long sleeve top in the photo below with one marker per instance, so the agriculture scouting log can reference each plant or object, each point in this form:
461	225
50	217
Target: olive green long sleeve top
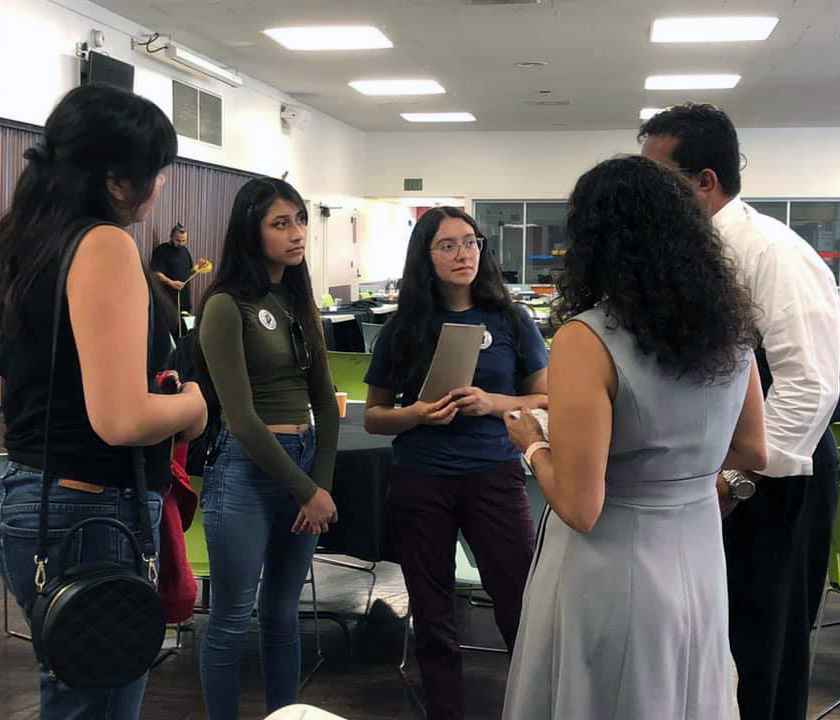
252	363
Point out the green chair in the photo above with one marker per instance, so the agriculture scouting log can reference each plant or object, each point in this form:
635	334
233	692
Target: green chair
832	585
197	548
467	580
370	333
348	373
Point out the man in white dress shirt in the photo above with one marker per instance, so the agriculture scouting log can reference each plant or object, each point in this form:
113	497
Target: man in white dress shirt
777	541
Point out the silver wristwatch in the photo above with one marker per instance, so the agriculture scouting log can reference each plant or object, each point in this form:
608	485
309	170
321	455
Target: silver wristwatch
741	487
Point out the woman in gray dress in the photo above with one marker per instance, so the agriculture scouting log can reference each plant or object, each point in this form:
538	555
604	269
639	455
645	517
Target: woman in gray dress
652	390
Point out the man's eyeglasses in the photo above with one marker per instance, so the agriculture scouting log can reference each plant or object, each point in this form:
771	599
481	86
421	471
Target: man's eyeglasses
450	248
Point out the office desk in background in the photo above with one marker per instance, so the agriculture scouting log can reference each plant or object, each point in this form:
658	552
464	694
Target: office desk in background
342	330
360	489
345	336
385	309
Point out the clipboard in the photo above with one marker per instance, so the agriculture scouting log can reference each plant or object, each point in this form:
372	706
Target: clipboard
453	364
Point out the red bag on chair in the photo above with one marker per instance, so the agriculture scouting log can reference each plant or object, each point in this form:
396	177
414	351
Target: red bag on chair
177	585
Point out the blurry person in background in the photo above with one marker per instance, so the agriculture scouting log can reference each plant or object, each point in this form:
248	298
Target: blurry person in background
172	264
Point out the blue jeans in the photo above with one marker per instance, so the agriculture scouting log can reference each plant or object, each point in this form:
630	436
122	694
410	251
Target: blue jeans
247	519
20	502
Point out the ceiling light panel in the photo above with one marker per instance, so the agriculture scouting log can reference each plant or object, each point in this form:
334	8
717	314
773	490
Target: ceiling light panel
438	117
330	37
692	82
406	86
712	29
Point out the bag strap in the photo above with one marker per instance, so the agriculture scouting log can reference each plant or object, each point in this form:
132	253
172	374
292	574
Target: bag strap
138	461
138	457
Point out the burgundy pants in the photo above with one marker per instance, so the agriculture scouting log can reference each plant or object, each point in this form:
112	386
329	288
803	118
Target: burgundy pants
491	509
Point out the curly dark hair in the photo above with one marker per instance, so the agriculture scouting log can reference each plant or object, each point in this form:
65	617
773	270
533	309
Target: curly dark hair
640	244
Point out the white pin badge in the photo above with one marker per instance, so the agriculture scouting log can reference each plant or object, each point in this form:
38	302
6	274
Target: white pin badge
267	320
487	340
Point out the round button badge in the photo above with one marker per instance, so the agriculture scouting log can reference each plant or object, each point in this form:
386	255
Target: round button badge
267	320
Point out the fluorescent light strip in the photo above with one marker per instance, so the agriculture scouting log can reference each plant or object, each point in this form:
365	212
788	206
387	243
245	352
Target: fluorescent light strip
398	87
430	117
712	29
189	59
330	37
648	113
692	82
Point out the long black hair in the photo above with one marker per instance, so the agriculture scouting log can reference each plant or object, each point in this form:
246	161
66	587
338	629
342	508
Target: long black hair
416	324
95	133
641	245
243	273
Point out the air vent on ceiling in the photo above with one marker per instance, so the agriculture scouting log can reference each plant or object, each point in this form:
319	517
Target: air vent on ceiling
548	103
506	2
196	114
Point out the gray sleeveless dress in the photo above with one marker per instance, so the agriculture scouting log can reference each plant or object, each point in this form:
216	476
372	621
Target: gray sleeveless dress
630	621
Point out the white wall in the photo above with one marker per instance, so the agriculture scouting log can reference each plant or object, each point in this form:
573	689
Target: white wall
325	159
386	227
334	164
37	52
785	162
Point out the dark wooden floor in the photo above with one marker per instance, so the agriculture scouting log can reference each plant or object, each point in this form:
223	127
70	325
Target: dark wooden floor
358	681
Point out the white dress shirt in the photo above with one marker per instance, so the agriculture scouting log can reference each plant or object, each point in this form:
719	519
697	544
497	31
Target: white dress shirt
799	322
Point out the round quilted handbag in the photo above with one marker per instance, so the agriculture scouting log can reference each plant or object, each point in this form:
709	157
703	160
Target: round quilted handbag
98	625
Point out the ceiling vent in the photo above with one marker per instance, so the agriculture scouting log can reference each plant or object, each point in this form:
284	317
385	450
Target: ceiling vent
548	103
507	2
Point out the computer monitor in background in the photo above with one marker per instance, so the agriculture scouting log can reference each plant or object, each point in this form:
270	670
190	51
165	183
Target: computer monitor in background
101	68
341	294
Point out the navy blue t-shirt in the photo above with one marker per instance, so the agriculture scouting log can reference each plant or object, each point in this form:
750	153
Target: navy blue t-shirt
467	444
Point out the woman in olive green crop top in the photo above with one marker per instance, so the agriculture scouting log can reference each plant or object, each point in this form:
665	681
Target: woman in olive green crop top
266	497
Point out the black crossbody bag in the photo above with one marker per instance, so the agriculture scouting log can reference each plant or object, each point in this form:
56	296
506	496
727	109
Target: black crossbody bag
100	624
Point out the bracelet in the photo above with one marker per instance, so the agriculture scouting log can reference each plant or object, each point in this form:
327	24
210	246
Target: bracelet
533	447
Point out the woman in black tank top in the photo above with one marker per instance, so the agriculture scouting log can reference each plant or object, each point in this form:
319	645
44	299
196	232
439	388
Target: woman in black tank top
99	165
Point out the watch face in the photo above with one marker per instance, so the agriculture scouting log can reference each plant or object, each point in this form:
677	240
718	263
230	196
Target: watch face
743	489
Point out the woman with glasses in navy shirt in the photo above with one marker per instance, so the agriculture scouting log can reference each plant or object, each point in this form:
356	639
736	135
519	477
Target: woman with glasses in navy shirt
455	469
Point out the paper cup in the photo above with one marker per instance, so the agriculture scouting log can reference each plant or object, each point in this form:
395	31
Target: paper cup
341	399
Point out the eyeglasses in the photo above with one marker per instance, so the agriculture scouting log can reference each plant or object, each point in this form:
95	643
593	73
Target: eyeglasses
300	347
450	248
